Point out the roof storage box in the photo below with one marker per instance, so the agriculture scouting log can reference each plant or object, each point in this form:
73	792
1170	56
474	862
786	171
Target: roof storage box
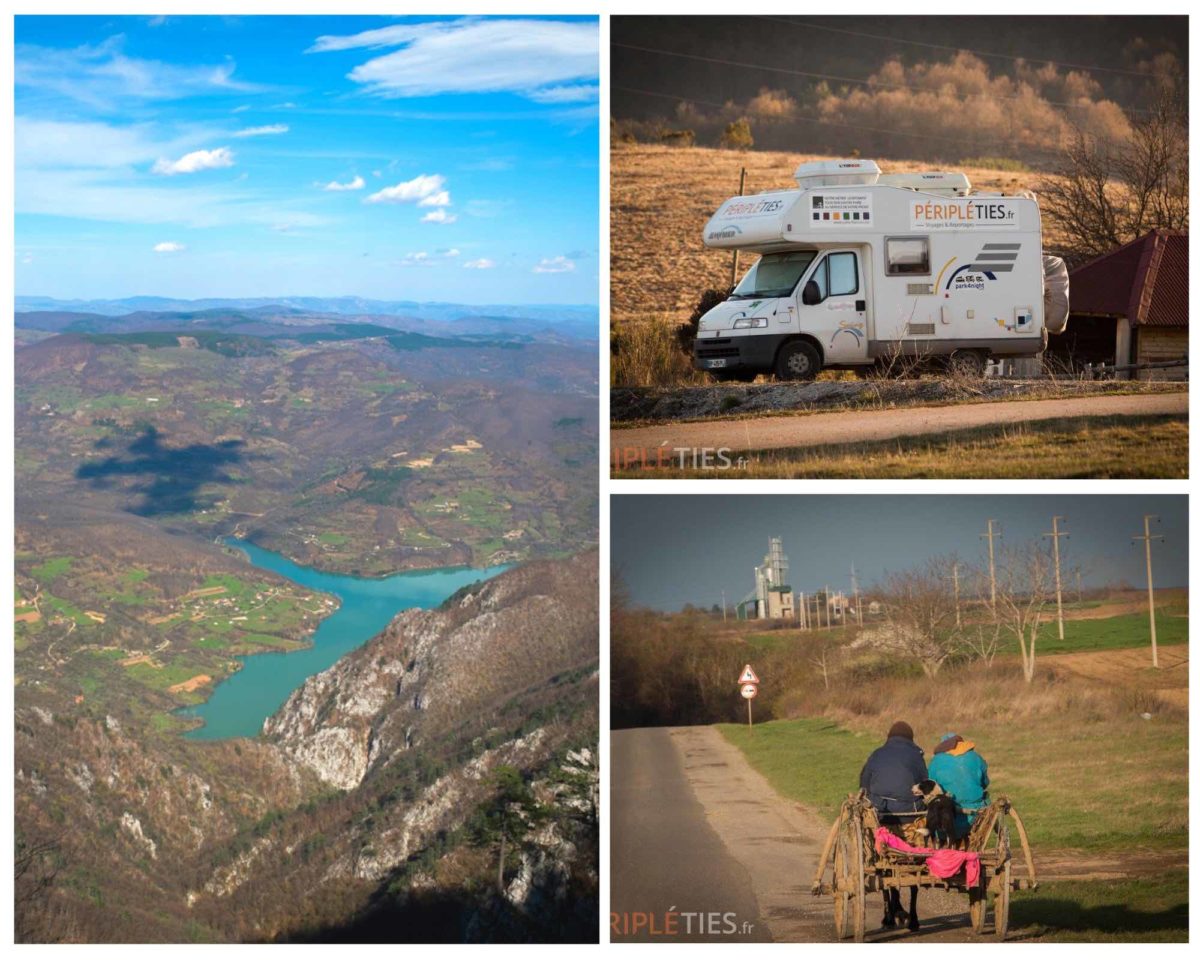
932	181
837	173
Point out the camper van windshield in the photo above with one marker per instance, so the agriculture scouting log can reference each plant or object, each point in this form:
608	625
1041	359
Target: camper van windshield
775	275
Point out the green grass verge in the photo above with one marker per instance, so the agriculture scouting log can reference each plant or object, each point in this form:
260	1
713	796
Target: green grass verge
1090	786
1152	909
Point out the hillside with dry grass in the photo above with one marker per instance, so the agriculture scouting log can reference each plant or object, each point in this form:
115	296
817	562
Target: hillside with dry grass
662	196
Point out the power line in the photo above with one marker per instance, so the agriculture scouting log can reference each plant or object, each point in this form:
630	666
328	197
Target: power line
808	74
827	123
943	46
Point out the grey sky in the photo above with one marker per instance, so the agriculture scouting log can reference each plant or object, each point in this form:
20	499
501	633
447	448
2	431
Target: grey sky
675	549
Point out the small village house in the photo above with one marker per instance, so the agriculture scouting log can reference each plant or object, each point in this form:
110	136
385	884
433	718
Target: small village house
1130	306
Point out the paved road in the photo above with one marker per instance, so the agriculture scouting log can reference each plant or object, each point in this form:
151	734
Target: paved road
665	855
695	827
853	426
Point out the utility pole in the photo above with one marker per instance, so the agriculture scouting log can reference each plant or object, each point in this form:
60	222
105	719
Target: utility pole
857	602
1078	587
957	609
990	536
733	271
742	190
1057	574
1150	581
724	611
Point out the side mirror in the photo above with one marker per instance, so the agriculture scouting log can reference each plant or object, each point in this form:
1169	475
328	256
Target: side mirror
811	295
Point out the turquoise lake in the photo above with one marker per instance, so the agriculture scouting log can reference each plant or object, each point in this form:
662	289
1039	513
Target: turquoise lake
240	704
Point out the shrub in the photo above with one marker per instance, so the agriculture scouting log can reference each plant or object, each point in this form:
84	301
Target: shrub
737	135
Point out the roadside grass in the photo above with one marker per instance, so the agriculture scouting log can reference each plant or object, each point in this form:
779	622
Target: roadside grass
1100	786
1151	909
1066	448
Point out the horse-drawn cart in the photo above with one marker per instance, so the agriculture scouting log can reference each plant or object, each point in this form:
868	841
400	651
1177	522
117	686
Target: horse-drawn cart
858	866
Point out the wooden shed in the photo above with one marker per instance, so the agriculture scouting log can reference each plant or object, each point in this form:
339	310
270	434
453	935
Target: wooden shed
1130	307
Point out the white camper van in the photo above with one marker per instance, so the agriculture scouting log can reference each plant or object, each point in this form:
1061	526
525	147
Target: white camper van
859	267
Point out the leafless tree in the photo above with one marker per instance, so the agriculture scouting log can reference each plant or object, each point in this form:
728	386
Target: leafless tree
918	609
1107	193
1024	586
823	659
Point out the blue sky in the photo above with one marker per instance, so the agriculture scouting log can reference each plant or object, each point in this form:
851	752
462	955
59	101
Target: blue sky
393	158
671	550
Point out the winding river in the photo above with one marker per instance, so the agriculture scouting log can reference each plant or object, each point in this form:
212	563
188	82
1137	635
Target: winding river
240	703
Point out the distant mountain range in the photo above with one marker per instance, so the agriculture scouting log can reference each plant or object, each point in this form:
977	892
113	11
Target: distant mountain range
568	321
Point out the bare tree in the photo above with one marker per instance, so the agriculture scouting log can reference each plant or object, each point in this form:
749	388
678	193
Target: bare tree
1107	193
918	608
823	659
1024	586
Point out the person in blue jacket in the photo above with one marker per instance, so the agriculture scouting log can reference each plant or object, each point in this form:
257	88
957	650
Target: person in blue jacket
888	777
891	772
963	774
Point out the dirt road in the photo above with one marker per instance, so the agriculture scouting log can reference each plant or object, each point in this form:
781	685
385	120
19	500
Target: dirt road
783	432
695	827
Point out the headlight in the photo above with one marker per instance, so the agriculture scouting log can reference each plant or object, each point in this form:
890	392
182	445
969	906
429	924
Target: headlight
745	323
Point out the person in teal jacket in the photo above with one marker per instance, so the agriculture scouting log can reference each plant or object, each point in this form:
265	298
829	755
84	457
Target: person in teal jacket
962	773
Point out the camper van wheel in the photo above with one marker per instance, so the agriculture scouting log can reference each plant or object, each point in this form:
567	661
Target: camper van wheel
968	363
797	360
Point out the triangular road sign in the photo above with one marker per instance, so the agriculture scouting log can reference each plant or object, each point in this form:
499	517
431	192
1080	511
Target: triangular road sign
748	675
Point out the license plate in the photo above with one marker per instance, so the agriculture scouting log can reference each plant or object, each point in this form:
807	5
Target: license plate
716	363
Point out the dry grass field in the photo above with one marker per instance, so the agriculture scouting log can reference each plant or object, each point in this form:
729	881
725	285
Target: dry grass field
662	196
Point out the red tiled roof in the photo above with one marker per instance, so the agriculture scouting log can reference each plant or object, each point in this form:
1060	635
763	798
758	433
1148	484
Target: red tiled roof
1145	280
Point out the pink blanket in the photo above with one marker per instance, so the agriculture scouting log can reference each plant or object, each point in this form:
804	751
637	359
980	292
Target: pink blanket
941	863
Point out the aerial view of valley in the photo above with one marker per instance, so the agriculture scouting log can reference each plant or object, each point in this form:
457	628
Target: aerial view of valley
306	489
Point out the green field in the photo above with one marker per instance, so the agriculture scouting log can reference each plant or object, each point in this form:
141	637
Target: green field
1114	633
1138	911
1082	796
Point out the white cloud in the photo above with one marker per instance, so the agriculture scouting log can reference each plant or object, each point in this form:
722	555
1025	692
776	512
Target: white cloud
242	109
412	191
102	75
423	258
439	199
266	131
483	263
555	265
571	93
527	57
27	258
356	184
195	161
439	216
168	246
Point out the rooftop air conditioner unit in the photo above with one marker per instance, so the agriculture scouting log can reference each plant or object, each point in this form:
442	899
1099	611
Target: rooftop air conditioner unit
944	184
837	173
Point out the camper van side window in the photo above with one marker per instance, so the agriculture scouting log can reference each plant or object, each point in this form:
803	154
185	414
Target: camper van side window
843	274
907	256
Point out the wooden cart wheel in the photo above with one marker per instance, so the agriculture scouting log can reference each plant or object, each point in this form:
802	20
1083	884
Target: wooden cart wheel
858	903
841	883
1003	896
978	900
